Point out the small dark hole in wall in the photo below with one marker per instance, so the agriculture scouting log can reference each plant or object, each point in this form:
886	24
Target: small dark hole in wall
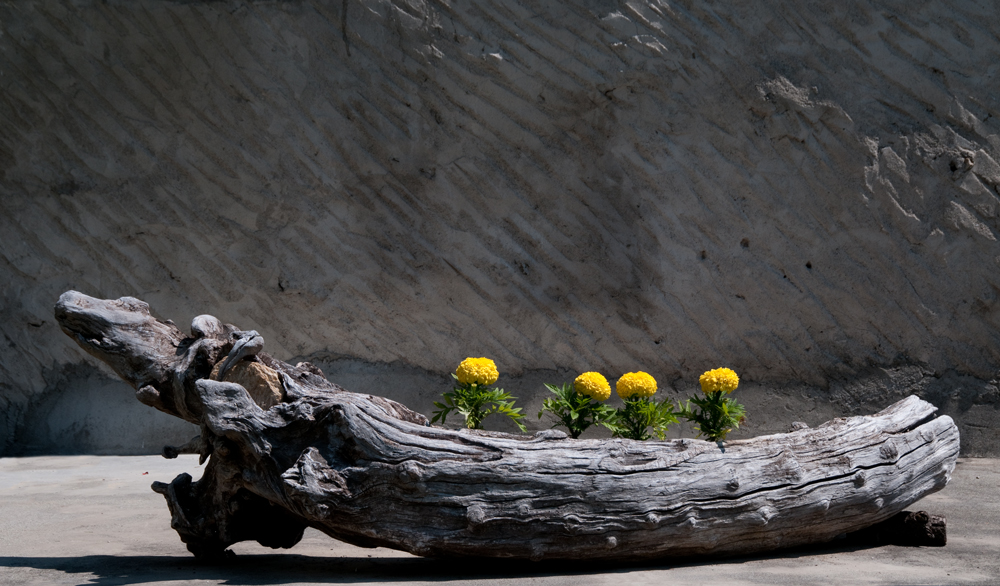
745	243
809	265
704	255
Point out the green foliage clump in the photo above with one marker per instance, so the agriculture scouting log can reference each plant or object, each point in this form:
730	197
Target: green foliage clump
576	411
642	415
475	400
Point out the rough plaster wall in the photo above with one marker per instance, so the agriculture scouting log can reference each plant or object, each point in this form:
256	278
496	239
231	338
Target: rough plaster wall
803	191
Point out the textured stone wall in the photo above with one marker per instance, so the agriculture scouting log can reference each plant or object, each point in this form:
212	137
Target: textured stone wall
805	191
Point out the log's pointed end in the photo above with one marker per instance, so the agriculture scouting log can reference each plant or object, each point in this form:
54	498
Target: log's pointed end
74	305
67	299
92	321
69	310
122	333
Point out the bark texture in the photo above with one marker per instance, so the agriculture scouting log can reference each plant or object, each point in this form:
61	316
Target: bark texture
369	471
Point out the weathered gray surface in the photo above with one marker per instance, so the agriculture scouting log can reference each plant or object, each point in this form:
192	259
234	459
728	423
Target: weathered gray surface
558	184
371	472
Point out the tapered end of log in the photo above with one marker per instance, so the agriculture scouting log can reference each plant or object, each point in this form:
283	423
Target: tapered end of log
112	330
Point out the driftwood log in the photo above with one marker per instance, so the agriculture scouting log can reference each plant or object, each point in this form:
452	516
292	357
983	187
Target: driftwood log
368	471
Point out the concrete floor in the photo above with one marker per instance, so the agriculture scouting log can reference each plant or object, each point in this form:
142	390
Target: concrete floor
94	520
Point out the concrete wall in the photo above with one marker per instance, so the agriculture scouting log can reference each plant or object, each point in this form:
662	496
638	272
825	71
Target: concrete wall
803	191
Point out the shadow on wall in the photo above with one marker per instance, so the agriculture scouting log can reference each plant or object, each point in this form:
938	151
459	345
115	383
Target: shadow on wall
85	411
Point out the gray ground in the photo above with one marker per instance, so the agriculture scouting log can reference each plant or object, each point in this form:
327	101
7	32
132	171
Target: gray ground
93	520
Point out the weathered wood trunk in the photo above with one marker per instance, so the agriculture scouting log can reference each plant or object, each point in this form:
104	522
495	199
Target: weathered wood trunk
371	472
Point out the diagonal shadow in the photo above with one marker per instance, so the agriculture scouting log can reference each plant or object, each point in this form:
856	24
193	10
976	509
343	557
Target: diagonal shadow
287	568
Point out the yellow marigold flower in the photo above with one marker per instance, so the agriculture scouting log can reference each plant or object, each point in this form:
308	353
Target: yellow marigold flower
720	379
481	371
593	385
635	384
